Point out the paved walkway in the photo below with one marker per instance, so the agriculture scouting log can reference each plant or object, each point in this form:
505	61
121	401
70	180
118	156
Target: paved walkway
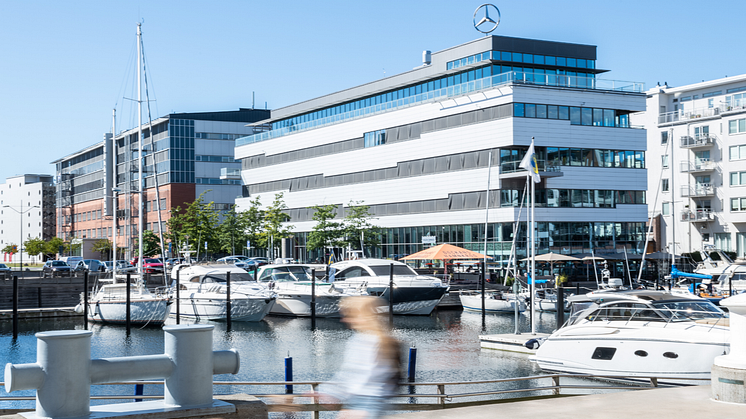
679	403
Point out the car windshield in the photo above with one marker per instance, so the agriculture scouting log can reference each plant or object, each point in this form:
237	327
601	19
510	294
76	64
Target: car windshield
3	266
151	261
59	263
384	270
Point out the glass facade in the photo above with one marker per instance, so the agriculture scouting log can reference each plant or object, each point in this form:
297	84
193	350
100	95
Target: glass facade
517	57
549	158
181	133
576	115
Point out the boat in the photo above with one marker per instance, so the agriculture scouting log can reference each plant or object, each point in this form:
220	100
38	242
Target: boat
638	333
495	302
412	293
546	300
728	275
203	293
108	304
293	284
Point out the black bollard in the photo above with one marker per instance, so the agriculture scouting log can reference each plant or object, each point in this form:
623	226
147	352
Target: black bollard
178	290
127	308
391	295
313	298
228	299
484	310
289	374
256	272
577	289
412	364
15	306
85	301
38	297
138	391
560	306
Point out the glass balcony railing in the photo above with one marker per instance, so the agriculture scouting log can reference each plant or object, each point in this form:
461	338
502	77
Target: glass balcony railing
702	140
699	190
701	165
227	173
700	215
486	83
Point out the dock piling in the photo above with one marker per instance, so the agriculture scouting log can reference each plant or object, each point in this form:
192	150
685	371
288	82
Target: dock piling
289	374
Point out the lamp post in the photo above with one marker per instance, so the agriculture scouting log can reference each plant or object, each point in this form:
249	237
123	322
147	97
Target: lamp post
21	212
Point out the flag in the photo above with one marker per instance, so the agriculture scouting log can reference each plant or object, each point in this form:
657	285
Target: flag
529	163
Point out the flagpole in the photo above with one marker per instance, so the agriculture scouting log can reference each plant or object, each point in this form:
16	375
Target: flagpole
533	253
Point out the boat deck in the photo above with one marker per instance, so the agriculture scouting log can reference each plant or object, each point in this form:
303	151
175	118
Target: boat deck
510	342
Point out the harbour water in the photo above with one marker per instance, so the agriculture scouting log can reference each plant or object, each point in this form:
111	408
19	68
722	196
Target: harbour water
447	343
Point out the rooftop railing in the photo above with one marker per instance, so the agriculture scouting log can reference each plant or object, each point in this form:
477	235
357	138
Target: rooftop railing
486	83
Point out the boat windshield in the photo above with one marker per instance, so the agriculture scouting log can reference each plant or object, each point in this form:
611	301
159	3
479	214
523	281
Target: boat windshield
689	310
385	270
220	277
286	274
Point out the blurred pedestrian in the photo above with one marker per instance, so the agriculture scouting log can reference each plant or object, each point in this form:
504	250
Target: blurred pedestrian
371	367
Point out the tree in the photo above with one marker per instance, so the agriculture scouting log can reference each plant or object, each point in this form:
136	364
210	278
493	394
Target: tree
326	233
151	244
10	248
103	247
359	231
251	222
275	222
52	247
230	232
34	246
195	225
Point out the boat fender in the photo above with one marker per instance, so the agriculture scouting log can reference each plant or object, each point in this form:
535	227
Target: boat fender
532	344
79	308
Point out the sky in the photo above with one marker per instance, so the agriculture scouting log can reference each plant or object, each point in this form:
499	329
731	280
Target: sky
64	65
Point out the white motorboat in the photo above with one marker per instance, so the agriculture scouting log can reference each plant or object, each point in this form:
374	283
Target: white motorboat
727	275
203	292
495	302
412	293
293	284
546	300
108	304
638	333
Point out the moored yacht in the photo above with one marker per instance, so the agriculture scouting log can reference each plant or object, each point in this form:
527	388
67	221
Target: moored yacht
412	293
494	302
638	333
107	303
203	292
293	284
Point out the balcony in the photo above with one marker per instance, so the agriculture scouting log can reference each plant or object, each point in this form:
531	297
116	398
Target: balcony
512	169
698	166
698	191
698	141
228	173
698	216
679	116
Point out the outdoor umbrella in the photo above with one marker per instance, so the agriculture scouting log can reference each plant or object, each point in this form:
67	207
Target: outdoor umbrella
444	252
552	257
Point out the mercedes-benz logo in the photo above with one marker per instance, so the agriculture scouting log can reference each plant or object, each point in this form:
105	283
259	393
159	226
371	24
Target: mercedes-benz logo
486	24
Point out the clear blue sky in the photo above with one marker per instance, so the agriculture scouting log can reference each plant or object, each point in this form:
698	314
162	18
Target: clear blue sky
66	64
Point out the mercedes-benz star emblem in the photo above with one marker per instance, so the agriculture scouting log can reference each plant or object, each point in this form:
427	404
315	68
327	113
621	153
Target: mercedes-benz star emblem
486	24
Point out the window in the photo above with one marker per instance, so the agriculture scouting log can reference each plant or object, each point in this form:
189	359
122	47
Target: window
740	245
738	179
374	138
738	204
664	160
710	103
664	137
738	152
737	126
664	185
666	209
722	242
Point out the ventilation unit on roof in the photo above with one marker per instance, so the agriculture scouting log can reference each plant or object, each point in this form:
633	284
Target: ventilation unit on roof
426	57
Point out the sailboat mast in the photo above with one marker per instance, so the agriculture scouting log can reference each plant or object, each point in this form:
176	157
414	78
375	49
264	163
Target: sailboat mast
487	207
673	195
139	147
114	196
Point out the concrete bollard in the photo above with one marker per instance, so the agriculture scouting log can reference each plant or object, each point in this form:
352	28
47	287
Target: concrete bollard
64	370
728	378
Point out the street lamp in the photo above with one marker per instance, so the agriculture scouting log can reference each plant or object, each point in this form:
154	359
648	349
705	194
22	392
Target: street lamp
21	212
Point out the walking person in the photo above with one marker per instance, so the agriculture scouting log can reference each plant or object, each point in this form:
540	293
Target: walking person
371	366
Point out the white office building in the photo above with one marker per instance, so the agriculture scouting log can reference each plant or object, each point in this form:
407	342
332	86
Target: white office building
27	210
415	148
697	134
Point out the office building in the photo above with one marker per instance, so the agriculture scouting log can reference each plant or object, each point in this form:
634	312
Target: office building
27	205
415	148
191	153
697	134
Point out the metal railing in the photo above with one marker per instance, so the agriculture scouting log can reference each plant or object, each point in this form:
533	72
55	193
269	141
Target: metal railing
698	215
486	83
702	189
700	165
702	140
446	395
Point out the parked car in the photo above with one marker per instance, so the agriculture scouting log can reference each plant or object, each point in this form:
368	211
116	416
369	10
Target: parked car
4	271
122	266
260	261
149	265
88	265
54	268
240	262
170	263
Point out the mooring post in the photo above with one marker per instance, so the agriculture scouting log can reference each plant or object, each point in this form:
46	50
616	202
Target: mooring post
178	291
313	299
15	306
289	374
482	281
127	305
560	306
391	295
228	299
412	364
85	301
138	391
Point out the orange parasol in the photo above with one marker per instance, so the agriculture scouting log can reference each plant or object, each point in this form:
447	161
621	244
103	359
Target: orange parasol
444	251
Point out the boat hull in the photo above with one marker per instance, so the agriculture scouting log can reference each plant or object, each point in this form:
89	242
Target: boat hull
410	300
207	307
491	305
145	312
299	305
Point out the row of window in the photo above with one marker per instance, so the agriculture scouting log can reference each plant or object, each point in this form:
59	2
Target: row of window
573	198
372	139
429	86
215	159
217	181
548	157
88	216
576	115
217	136
518	57
83	157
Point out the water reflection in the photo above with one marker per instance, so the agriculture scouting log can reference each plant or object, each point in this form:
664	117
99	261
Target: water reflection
447	345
